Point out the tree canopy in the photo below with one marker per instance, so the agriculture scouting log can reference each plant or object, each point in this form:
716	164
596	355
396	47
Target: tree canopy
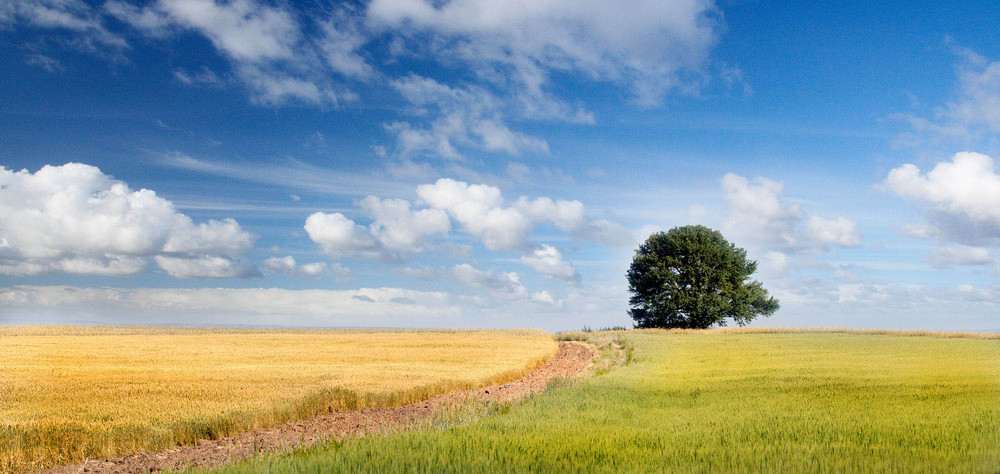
692	277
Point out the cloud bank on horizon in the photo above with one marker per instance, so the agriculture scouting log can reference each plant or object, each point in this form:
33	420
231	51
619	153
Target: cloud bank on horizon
482	164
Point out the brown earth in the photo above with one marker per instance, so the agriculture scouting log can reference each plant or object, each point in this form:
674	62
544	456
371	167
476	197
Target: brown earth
571	359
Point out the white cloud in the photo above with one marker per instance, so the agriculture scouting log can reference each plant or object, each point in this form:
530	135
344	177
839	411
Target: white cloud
223	237
647	45
566	215
340	236
270	306
272	86
548	261
73	218
506	284
502	285
964	192
206	266
645	232
973	113
288	266
242	29
921	231
398	228
758	216
840	231
570	217
149	20
815	302
264	44
395	233
978	105
478	208
776	263
460	116
70	15
544	297
205	76
45	62
961	255
294	175
342	38
107	265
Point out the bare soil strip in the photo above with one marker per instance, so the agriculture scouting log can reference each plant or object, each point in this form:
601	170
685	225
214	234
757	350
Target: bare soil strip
571	359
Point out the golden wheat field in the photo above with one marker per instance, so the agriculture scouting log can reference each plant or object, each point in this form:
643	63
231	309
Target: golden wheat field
69	393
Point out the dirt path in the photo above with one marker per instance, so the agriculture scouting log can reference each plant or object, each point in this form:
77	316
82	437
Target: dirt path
570	359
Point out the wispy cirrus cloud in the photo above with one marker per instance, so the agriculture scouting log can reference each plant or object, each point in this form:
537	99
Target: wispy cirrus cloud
649	46
971	117
504	54
294	175
265	45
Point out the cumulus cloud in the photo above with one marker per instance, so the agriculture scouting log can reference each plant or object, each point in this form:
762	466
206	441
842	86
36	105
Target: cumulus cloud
73	218
548	261
757	213
395	232
481	211
340	236
962	196
566	215
570	217
399	228
758	216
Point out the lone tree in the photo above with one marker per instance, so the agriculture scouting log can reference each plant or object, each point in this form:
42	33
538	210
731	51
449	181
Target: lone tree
691	277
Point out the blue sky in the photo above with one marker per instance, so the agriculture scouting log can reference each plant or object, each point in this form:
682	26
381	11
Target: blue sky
475	163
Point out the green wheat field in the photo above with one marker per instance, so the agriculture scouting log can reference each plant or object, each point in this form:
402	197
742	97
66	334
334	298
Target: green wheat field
719	401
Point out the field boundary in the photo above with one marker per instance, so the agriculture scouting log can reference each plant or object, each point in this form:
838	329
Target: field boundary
571	359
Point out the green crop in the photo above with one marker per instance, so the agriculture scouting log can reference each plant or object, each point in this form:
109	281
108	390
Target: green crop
722	402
